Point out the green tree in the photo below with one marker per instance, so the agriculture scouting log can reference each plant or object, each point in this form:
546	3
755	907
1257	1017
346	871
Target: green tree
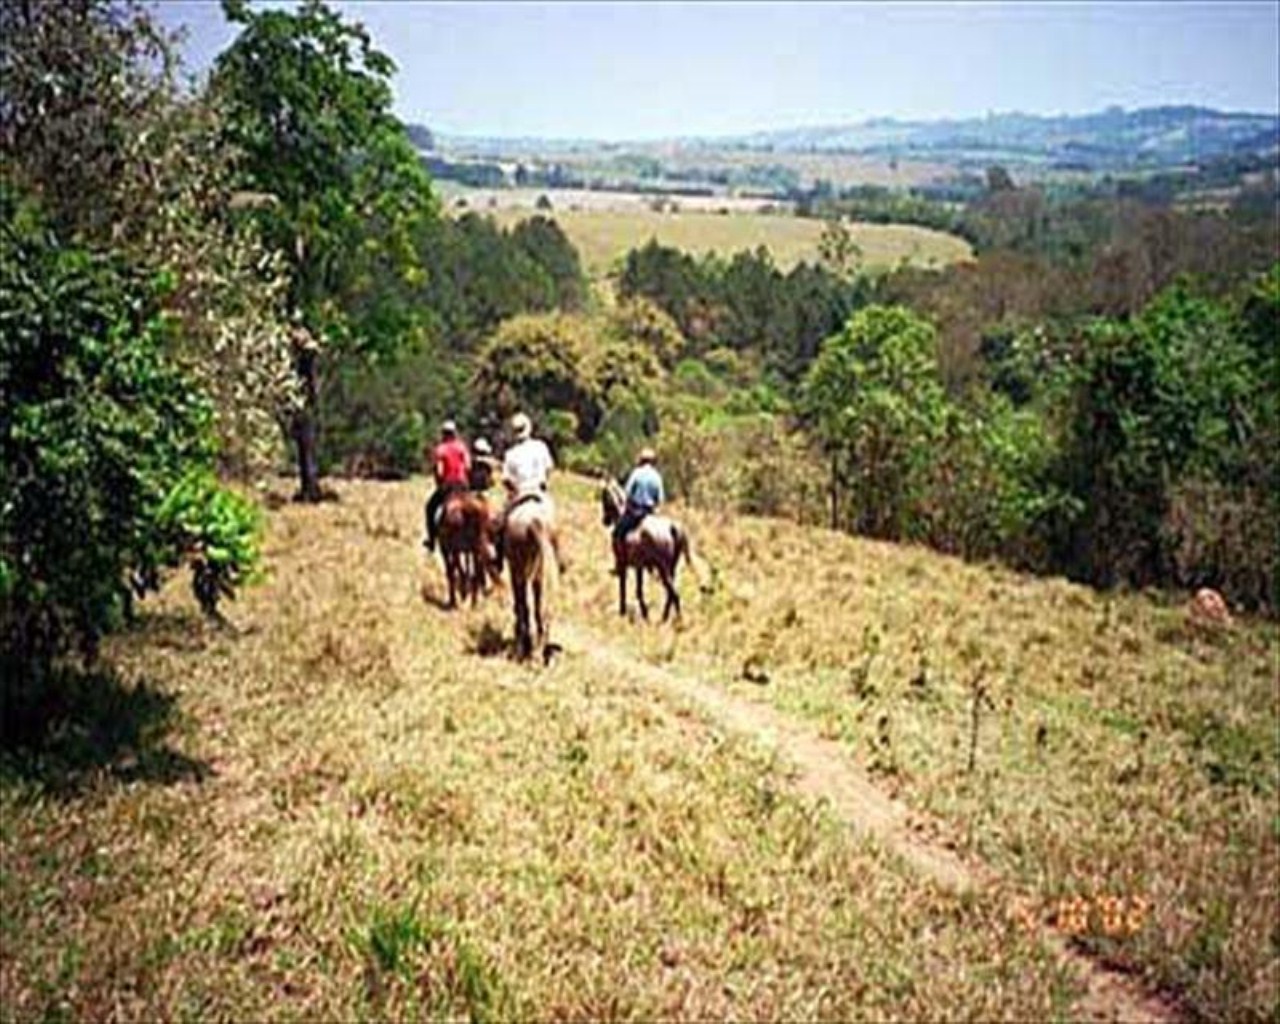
751	292
817	304
1157	399
345	195
878	407
493	278
94	126
547	245
837	251
80	80
672	279
990	490
642	322
379	417
999	179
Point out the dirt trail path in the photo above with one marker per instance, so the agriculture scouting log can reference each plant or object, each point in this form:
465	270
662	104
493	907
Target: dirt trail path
823	771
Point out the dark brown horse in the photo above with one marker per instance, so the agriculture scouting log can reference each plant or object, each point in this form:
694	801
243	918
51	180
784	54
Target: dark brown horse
531	552
656	545
466	545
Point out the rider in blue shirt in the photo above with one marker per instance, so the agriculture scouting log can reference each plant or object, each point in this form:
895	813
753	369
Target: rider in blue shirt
644	492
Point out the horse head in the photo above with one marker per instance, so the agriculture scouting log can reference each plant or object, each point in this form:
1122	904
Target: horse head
612	501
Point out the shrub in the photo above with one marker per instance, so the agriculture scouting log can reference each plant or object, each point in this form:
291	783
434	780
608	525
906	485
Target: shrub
217	529
625	428
687	449
751	463
559	429
539	362
1225	537
98	432
693	377
772	471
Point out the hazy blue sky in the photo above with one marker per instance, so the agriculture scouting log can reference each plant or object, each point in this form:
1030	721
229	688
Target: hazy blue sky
632	71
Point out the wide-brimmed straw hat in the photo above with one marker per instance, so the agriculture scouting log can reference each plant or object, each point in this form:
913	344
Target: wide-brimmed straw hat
448	427
647	455
521	428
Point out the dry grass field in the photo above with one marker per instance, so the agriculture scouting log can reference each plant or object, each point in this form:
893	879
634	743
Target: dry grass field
351	804
603	237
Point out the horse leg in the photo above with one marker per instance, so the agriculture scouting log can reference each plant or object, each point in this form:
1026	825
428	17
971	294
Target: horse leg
451	574
664	579
538	620
473	580
673	598
622	588
644	608
523	644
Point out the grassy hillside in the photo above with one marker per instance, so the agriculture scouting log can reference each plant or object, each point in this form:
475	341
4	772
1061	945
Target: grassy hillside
603	237
1122	754
352	805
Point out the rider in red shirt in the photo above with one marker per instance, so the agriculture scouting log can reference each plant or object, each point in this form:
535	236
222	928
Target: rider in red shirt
451	466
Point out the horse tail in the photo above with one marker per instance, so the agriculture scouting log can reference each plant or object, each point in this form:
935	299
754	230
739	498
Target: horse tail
684	546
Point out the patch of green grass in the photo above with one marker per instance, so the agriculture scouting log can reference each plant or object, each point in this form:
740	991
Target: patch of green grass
394	934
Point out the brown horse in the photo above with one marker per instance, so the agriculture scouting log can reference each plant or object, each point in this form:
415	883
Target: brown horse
656	544
466	545
530	550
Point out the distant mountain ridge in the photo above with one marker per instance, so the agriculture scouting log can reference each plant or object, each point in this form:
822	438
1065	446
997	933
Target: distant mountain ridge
1154	136
1111	139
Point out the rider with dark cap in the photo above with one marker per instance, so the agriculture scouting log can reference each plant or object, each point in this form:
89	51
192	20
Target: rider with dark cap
484	467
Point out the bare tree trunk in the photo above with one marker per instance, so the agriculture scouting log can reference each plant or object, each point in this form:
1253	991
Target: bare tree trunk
306	423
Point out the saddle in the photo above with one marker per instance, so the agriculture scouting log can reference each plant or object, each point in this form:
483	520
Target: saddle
524	499
449	493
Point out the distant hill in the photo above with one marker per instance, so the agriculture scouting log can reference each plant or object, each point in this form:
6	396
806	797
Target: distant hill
1112	140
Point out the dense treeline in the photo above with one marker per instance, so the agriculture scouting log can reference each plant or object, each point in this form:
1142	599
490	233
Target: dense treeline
475	276
1138	450
745	303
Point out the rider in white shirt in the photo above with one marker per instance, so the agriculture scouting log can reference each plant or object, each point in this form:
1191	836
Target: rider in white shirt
526	468
528	462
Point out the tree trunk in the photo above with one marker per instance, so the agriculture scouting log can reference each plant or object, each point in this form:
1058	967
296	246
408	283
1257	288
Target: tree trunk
835	493
306	425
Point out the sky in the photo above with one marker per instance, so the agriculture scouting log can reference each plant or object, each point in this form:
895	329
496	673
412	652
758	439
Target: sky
634	71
